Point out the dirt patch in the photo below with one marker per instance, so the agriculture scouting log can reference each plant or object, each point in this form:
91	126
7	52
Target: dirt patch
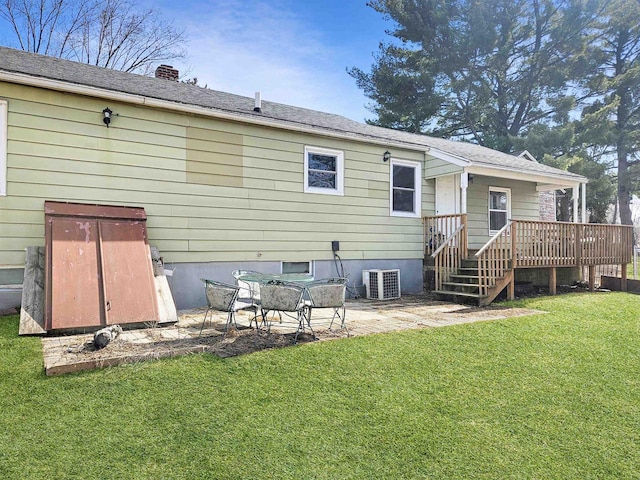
236	342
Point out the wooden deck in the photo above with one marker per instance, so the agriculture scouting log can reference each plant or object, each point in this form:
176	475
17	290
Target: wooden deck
522	244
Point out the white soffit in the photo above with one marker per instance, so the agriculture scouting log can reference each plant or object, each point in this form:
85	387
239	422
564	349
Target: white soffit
556	181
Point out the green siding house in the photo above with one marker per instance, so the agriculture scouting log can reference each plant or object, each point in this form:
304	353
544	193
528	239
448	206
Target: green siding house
231	182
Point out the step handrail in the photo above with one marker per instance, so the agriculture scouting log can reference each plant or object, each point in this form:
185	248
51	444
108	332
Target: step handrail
494	238
447	241
448	256
495	258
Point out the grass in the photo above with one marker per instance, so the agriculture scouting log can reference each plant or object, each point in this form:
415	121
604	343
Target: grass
541	397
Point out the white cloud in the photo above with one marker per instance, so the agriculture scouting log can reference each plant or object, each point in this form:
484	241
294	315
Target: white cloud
247	46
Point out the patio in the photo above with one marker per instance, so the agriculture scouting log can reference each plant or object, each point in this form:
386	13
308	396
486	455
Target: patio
72	353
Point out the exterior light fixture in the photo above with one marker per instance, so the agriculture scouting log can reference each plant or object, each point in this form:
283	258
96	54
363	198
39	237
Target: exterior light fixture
386	156
107	116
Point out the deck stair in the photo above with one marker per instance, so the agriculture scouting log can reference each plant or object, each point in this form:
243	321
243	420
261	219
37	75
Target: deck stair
463	286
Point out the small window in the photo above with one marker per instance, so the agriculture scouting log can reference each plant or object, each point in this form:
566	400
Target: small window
296	267
405	188
499	208
323	171
3	147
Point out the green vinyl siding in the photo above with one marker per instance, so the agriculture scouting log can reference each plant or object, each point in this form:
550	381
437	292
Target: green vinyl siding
524	205
434	167
213	190
428	197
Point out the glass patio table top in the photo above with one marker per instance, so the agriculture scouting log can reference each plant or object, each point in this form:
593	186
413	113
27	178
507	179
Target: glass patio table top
282	277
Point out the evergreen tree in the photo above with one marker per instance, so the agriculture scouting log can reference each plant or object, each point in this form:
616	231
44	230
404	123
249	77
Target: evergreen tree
614	119
484	71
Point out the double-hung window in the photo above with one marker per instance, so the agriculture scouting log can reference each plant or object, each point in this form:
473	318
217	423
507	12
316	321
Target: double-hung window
499	208
3	147
405	188
323	171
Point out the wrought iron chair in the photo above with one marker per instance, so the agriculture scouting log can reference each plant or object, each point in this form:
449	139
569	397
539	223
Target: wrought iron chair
287	298
223	297
328	293
249	290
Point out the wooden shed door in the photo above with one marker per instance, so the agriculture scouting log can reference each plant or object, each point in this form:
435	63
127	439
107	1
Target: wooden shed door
129	290
75	276
98	267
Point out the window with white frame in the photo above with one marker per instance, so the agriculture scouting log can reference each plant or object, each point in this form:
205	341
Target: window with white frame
499	208
3	147
297	267
323	171
405	188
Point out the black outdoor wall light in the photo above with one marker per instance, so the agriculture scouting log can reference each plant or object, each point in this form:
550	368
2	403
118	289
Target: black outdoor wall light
386	156
107	116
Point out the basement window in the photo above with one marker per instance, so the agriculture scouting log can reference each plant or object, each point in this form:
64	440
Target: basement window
3	147
323	171
297	267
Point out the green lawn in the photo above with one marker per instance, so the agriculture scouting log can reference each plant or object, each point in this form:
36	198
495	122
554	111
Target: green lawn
553	396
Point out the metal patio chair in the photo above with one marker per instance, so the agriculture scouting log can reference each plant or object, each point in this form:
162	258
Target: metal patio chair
284	298
329	293
223	297
249	289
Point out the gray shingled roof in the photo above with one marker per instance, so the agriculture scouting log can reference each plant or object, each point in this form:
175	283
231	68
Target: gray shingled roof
18	61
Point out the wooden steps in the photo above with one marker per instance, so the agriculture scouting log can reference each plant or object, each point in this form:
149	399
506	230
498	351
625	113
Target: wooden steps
464	285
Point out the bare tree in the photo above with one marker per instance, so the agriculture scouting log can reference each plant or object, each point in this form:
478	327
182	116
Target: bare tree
114	34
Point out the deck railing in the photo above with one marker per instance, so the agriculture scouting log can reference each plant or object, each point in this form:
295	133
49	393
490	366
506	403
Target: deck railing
558	244
438	228
495	259
445	241
525	244
448	256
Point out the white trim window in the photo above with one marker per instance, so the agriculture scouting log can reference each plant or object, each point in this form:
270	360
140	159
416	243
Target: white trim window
3	147
323	171
406	188
499	208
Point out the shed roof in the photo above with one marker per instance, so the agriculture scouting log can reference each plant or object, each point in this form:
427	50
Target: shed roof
19	66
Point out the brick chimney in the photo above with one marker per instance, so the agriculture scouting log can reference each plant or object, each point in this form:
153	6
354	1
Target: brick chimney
167	72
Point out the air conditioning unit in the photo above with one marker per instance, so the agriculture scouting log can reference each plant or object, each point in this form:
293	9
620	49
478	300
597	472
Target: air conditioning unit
382	284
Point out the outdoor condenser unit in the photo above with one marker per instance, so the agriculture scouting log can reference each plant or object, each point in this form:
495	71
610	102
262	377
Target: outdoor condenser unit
382	284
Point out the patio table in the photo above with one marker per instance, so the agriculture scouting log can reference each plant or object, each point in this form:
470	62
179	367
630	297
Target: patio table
282	277
258	279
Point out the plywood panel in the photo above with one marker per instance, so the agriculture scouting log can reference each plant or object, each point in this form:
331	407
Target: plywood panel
74	298
128	278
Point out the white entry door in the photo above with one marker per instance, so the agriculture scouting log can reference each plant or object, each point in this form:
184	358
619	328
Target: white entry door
448	195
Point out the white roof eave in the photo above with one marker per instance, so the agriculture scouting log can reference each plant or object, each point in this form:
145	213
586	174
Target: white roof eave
560	180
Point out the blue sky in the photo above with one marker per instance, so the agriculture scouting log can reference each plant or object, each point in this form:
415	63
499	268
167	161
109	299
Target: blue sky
292	51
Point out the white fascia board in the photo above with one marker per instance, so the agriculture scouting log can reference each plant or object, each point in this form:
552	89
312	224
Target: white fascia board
448	157
548	187
537	177
96	92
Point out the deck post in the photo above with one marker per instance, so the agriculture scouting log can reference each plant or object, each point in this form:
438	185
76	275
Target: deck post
623	280
575	193
511	288
583	191
592	277
552	281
